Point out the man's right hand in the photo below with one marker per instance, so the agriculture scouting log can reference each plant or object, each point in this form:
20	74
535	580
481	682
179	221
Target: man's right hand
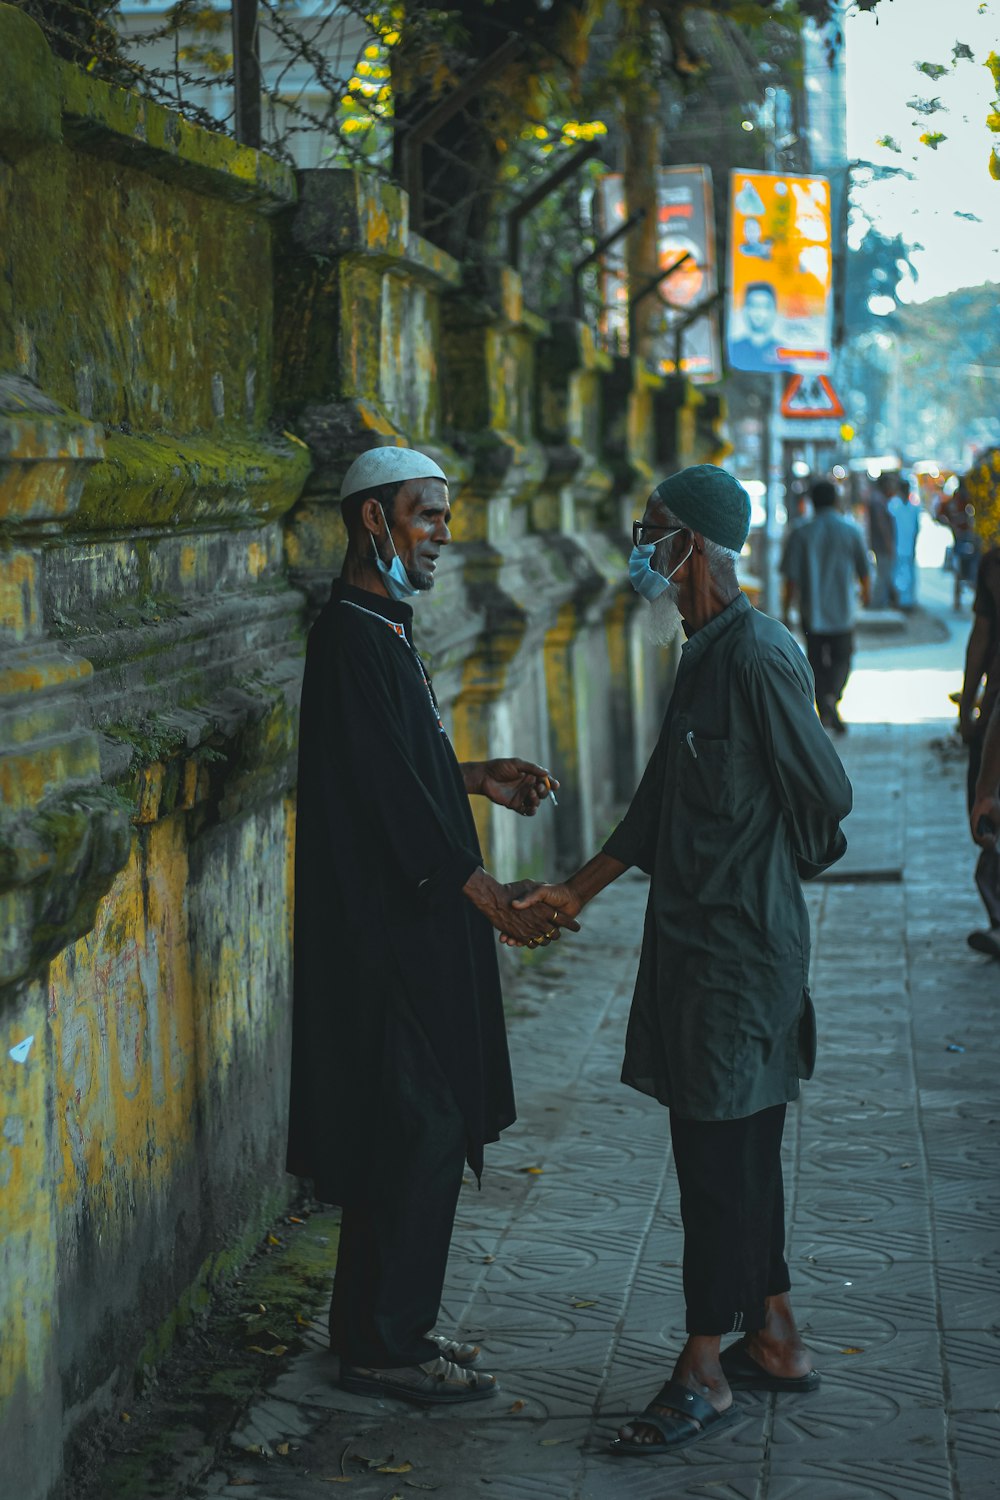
968	724
535	926
563	902
985	815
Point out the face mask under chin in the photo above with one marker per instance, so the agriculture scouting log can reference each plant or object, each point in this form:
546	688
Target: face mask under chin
398	581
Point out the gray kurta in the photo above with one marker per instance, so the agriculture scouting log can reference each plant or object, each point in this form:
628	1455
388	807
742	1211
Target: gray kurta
742	798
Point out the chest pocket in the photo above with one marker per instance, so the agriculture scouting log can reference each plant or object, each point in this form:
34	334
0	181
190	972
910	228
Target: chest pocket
704	773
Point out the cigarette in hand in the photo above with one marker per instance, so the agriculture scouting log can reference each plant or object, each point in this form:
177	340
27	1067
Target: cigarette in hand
552	795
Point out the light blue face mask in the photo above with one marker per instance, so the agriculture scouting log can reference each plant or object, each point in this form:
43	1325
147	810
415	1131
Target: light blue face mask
643	577
395	576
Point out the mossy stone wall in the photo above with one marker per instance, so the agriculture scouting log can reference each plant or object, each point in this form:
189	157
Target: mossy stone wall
194	344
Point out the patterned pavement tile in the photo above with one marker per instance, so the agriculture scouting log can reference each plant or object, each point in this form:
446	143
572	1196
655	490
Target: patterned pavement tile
667	1479
848	1418
974	1369
885	1479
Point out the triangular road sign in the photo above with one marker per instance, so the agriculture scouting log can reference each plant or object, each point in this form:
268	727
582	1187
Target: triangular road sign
810	396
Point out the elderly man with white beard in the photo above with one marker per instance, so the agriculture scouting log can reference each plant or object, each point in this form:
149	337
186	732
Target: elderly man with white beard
742	798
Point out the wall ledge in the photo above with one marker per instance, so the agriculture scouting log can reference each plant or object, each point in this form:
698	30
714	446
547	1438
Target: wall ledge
123	126
169	481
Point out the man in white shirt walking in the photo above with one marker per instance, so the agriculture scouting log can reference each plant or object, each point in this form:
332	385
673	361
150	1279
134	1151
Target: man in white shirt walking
823	563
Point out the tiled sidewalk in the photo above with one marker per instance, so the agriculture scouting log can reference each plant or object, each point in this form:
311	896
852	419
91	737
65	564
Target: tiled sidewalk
567	1263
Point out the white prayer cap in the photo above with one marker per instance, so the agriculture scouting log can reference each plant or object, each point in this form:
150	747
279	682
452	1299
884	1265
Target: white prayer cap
388	466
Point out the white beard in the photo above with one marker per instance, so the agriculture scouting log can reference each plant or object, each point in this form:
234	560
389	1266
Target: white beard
664	618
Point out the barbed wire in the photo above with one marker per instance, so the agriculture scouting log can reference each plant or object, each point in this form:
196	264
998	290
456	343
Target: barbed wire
327	98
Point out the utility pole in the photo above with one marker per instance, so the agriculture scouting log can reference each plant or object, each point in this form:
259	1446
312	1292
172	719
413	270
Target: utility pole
246	72
775	451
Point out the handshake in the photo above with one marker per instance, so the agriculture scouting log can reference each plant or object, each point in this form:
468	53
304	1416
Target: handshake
526	913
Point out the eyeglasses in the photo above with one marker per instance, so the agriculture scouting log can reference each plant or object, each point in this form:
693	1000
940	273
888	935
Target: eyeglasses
641	539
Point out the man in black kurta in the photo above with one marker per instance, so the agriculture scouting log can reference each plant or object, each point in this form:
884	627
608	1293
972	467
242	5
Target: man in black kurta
400	1071
742	799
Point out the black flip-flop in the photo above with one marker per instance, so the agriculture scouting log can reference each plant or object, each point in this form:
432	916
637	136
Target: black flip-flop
676	1432
745	1374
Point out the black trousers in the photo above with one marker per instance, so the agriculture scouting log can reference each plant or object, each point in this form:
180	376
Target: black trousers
733	1211
394	1240
988	864
830	659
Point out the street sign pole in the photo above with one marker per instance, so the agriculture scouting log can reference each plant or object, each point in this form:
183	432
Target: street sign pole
775	475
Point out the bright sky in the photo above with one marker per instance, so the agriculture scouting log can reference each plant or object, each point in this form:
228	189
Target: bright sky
883	49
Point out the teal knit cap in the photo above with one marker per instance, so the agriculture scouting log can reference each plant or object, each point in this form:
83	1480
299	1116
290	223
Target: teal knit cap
710	501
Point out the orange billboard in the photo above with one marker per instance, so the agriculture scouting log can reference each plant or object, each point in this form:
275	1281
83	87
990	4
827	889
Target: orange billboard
779	306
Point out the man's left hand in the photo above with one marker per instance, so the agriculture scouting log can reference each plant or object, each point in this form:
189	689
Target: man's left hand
517	784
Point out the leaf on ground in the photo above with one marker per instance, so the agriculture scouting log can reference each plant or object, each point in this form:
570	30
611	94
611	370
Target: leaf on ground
518	1406
371	1463
126	1416
852	1349
532	1171
488	1260
278	1349
554	1442
414	1484
583	1304
272	1239
404	1468
282	1448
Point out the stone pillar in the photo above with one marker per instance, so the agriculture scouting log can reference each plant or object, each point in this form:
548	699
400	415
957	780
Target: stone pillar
357	348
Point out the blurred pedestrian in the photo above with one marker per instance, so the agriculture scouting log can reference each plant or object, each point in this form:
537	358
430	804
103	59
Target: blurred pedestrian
904	512
742	798
399	1053
823	565
882	540
958	514
984	818
982	669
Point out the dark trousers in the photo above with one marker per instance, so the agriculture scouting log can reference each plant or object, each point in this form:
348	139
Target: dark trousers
733	1211
988	864
830	659
394	1240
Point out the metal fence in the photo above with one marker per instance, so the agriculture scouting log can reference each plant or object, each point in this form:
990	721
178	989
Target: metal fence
311	82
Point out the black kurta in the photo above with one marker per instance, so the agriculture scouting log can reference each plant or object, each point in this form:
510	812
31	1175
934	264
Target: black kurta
385	841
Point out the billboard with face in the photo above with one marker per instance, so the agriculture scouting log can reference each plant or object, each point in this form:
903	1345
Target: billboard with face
779	308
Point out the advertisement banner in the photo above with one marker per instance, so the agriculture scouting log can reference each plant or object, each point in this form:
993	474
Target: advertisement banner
686	224
779	307
610	215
